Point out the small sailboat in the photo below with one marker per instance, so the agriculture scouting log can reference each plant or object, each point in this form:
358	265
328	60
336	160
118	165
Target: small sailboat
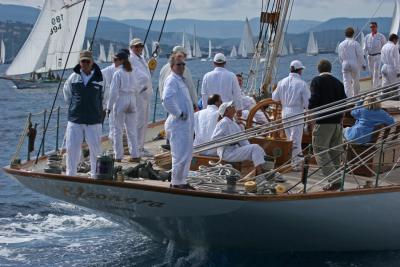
209	50
2	52
233	52
283	51
111	53
102	55
312	47
246	46
187	46
395	18
46	48
196	47
291	51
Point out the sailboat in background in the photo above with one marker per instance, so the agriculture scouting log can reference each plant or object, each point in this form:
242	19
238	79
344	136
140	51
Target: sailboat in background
283	51
246	46
312	47
395	18
186	45
2	52
102	55
196	47
233	52
291	51
46	48
111	53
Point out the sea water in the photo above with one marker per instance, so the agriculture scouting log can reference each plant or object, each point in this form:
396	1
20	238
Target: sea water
39	231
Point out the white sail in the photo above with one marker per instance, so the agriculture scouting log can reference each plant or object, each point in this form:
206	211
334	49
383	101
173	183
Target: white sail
283	51
246	45
197	50
395	18
102	55
209	49
2	52
312	46
111	53
186	45
51	38
233	52
291	51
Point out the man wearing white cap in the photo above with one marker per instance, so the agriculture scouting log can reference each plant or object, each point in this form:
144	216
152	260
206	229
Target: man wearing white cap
222	82
179	124
293	93
241	150
187	76
144	90
83	92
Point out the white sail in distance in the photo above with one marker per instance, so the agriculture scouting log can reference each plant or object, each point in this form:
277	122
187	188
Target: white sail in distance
233	52
246	45
312	46
291	51
2	52
209	49
130	35
186	45
102	55
51	38
111	53
283	51
395	18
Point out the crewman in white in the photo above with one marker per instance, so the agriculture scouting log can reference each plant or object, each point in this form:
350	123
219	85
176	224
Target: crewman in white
390	61
222	82
145	90
83	92
108	73
205	122
179	124
374	42
352	59
187	75
124	105
293	93
242	150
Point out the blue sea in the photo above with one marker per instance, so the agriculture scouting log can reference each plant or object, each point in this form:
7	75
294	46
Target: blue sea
39	231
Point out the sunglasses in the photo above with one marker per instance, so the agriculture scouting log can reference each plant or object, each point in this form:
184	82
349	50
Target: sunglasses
86	61
180	64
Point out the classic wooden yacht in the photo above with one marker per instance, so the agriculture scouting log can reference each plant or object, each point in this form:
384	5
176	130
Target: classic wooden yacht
281	210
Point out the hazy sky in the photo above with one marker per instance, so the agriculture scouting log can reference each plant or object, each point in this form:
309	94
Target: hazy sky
232	9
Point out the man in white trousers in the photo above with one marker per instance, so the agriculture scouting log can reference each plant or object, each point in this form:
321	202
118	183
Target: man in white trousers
145	91
390	61
374	42
293	93
352	59
83	92
179	124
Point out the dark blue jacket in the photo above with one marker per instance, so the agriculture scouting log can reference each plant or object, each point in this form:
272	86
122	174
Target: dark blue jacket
85	102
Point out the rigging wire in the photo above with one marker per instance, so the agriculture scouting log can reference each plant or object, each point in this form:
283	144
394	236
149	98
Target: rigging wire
157	48
59	84
151	22
95	28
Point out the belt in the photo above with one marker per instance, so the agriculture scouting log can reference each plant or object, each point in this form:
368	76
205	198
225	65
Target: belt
374	54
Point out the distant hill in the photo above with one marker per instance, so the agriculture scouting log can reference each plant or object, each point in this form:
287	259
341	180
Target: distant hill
18	13
342	23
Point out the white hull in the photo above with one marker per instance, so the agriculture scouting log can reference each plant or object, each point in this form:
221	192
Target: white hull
339	221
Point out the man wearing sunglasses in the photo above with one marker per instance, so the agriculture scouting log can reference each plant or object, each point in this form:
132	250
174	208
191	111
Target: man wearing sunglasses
83	92
144	90
179	125
374	42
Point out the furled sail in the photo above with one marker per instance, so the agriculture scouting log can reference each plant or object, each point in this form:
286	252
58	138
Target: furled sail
246	45
51	36
312	47
395	18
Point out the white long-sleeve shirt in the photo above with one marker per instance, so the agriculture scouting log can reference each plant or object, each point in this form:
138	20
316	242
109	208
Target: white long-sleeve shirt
108	73
226	127
187	78
350	52
176	98
293	93
123	82
224	83
390	56
374	43
205	122
142	71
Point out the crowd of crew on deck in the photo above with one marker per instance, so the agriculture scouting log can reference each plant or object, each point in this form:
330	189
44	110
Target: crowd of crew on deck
123	92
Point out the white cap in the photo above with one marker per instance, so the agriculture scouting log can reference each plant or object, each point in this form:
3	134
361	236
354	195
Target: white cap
135	41
296	64
179	49
223	107
219	58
